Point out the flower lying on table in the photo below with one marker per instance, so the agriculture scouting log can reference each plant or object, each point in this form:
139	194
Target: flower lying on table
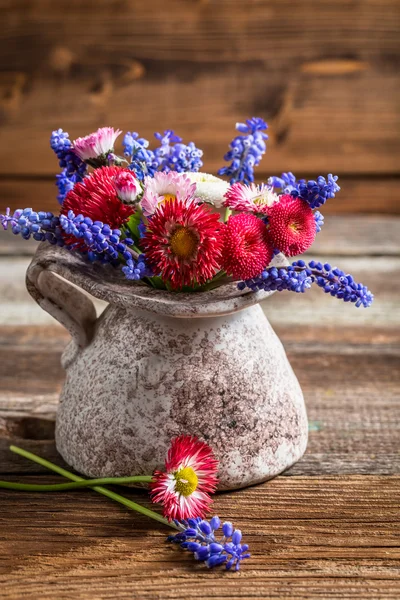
190	475
183	490
151	213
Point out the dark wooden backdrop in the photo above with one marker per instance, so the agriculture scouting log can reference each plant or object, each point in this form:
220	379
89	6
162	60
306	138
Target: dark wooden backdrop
323	73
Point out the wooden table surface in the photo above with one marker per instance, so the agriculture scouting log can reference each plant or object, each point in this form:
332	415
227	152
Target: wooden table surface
327	528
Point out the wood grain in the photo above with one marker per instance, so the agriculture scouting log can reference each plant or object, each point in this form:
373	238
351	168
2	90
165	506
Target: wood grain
325	77
323	74
310	537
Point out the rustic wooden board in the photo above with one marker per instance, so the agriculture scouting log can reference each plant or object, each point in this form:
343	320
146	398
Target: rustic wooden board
323	74
328	528
358	194
310	537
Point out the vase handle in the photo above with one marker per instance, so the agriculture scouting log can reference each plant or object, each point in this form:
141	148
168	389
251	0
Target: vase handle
65	303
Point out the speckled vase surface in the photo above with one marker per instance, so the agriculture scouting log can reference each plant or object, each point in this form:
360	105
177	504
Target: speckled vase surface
157	364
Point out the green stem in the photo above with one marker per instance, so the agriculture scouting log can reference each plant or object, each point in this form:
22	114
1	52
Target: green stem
101	490
227	214
217	280
74	485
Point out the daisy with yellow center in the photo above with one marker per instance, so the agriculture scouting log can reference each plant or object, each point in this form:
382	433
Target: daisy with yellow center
183	243
164	187
250	198
190	476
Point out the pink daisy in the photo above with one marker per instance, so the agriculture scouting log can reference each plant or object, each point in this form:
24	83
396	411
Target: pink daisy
183	243
165	186
250	198
190	476
291	225
246	250
93	145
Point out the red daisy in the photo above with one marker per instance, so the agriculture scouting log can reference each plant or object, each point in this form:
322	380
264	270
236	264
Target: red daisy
96	197
292	228
183	242
247	250
190	476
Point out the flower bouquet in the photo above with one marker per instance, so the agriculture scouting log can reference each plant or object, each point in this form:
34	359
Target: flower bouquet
167	225
183	258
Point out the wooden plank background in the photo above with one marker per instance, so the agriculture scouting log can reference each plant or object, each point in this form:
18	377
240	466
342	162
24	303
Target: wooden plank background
323	74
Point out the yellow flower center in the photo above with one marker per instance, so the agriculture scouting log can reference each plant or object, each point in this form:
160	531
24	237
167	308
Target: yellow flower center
183	242
186	481
294	227
168	197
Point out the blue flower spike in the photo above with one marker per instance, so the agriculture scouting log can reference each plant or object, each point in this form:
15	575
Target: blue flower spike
62	146
299	276
142	160
173	155
245	151
104	244
41	226
73	168
199	537
314	192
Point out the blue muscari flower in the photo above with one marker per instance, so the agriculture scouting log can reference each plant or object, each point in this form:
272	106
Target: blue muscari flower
60	142
65	183
299	276
287	182
105	244
245	151
316	193
68	160
198	536
102	243
173	155
319	220
137	269
142	160
41	226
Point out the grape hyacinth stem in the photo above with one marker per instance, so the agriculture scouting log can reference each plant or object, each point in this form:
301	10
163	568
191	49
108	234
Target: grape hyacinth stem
172	155
299	276
194	534
41	226
245	151
106	244
74	485
101	490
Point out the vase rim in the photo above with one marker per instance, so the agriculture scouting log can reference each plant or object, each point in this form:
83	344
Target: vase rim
108	284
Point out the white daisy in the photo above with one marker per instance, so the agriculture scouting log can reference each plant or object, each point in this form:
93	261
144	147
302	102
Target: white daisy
209	188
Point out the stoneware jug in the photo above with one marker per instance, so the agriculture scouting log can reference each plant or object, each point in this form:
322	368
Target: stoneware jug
157	364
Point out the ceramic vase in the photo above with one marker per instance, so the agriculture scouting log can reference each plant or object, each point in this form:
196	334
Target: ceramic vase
157	364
